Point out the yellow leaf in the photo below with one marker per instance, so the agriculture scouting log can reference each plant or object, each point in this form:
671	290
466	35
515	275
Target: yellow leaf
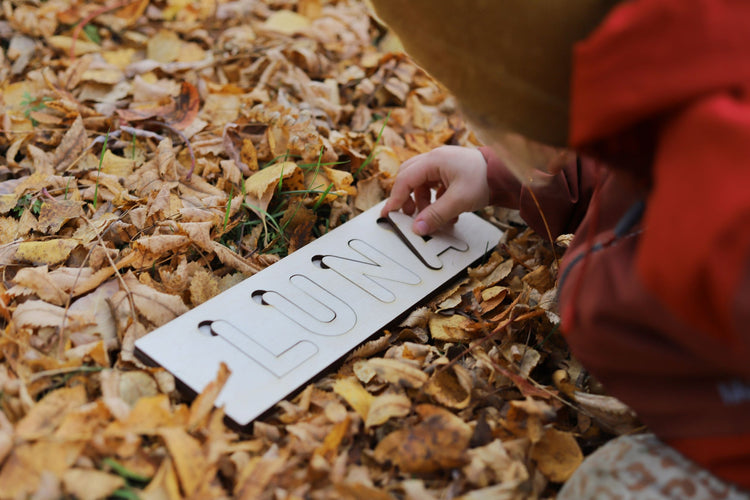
45	416
48	252
354	394
189	461
261	185
164	47
106	76
22	470
64	43
164	485
455	328
120	58
286	22
332	441
557	455
90	484
204	402
116	165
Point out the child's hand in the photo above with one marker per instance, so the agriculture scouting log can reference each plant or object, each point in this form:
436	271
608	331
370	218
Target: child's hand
460	176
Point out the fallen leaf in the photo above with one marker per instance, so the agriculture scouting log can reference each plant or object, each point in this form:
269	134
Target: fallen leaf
157	307
189	460
398	372
527	418
454	328
53	214
48	252
22	470
47	414
204	402
37	313
39	280
557	455
261	185
72	145
611	413
354	394
451	387
286	22
179	113
385	407
88	484
438	442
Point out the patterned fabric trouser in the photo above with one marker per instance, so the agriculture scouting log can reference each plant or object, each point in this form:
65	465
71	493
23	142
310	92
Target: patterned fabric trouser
643	468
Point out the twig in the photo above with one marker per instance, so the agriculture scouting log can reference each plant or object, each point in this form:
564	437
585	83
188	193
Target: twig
141	133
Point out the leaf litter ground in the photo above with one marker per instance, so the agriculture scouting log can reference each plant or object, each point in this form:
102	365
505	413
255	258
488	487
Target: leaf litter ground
156	153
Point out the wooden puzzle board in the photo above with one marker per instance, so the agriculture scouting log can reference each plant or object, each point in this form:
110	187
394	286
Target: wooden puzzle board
282	326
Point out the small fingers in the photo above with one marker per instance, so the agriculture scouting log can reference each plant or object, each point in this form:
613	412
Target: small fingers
414	175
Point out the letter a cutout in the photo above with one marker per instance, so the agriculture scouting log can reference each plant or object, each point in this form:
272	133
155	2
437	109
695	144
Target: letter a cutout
426	249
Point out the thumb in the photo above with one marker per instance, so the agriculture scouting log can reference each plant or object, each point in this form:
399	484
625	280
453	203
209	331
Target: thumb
435	216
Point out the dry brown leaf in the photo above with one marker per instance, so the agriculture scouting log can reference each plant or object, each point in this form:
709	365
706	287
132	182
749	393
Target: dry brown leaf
369	193
611	413
527	418
203	286
398	372
438	442
53	214
557	455
164	46
231	259
385	407
454	328
116	165
72	145
329	449
39	280
541	279
157	307
37	313
492	464
451	387
83	423
161	244
179	113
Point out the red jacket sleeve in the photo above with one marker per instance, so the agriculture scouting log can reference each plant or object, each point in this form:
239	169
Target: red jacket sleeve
563	198
695	249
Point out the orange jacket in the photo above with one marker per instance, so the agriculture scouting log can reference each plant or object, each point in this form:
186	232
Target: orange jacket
658	307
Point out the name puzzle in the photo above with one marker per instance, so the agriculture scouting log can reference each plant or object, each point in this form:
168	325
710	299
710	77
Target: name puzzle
282	326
